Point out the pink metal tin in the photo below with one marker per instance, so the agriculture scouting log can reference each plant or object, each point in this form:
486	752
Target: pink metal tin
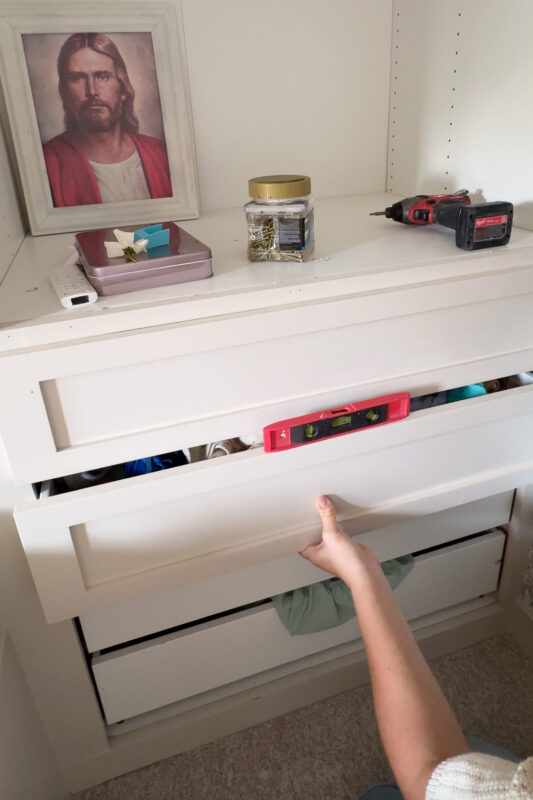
185	258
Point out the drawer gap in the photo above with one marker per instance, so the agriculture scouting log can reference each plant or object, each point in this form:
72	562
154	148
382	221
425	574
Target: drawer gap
119	472
494	385
466	538
88	658
178	628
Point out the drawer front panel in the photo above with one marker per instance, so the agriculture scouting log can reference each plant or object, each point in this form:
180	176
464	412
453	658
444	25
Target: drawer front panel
74	408
112	543
198	385
170	668
112	626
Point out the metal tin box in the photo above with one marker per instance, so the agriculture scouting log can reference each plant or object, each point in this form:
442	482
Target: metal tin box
185	258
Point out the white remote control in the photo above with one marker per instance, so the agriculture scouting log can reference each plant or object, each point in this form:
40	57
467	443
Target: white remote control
71	285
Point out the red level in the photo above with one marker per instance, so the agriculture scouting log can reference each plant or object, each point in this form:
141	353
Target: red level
335	422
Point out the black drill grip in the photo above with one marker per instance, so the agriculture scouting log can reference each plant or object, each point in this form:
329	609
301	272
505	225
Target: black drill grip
447	212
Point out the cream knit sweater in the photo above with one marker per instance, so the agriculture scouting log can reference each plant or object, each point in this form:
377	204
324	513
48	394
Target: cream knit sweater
477	776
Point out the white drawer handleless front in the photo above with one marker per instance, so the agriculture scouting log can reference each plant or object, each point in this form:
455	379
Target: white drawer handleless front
148	675
114	542
109	627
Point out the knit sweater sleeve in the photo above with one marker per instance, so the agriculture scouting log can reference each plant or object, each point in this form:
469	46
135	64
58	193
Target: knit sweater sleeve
477	776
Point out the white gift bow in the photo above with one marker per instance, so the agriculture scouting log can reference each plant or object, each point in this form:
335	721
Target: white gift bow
125	240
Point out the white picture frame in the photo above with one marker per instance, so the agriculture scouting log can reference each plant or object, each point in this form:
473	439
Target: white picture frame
161	21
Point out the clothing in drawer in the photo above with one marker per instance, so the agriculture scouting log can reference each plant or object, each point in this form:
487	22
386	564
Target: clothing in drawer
87	404
113	543
194	659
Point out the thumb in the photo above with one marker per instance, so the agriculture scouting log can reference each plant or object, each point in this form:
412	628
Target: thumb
310	551
328	515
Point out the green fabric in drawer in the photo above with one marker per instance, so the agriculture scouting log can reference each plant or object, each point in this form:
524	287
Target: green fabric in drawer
329	603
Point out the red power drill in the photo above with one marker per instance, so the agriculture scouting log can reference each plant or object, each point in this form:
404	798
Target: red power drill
475	226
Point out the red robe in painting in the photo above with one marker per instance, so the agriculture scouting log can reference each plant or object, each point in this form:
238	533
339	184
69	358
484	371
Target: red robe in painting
72	181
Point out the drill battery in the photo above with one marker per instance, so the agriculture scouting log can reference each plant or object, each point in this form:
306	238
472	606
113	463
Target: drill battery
477	225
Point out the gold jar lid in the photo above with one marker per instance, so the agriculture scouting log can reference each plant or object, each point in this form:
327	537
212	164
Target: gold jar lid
279	187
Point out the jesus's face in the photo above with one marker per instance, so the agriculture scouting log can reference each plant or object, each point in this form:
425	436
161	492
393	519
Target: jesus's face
94	92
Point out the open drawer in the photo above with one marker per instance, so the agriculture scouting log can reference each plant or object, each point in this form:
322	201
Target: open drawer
144	676
109	627
109	544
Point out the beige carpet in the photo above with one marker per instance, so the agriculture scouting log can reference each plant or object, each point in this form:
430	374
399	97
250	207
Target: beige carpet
330	750
527	588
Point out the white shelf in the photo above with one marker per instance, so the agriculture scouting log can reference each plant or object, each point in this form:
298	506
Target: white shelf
355	253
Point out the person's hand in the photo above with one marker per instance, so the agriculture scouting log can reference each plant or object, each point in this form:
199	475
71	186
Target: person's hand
337	553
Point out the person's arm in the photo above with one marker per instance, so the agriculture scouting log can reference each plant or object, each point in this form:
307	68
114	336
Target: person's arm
417	726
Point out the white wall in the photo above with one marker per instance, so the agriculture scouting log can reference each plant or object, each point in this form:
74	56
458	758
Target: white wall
462	114
282	86
27	766
12	227
303	86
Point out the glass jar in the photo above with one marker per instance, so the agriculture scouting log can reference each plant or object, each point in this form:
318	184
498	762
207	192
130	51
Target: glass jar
280	218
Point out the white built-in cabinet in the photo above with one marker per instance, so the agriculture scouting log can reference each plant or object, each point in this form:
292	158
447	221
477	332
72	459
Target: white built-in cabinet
155	591
169	575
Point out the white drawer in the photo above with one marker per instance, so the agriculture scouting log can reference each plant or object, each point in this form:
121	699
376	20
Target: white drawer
109	544
107	627
145	676
91	403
